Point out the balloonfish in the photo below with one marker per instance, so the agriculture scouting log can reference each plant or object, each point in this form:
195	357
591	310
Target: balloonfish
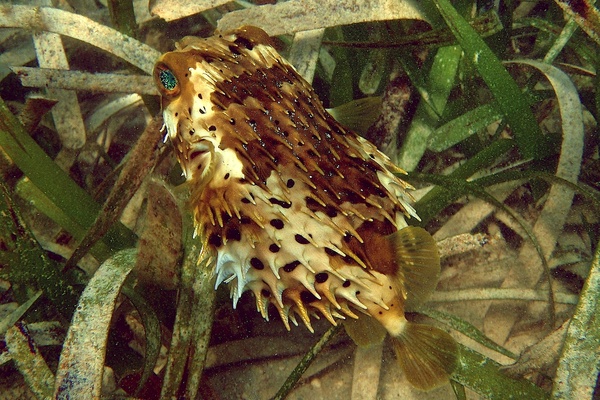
293	207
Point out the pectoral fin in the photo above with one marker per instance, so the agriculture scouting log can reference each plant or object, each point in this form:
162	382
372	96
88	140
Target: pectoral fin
418	264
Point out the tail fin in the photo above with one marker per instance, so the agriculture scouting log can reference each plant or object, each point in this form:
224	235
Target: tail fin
427	355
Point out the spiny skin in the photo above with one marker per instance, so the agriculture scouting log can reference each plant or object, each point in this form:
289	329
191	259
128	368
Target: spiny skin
293	206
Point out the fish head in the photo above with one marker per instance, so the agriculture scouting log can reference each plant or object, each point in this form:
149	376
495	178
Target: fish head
209	88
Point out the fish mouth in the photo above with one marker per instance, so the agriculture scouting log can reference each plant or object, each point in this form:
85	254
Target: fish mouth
198	158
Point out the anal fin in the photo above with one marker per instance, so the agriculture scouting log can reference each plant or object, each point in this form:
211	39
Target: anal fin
365	331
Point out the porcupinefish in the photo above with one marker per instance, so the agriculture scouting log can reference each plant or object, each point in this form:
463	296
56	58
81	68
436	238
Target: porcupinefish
302	212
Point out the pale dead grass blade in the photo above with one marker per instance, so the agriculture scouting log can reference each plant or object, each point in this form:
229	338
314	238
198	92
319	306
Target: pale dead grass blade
170	10
66	113
77	80
142	12
500	294
570	108
462	243
82	28
304	52
81	366
528	269
28	359
578	366
367	368
294	16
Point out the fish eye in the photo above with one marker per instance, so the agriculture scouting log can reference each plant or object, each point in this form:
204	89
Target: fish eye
167	79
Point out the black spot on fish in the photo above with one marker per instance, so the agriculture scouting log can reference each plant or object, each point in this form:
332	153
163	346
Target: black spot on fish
215	240
234	50
348	260
307	297
233	234
321	277
330	252
301	239
280	203
256	263
277	223
331	212
243	42
351	196
291	266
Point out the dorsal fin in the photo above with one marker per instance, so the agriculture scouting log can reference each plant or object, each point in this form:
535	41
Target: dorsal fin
418	264
358	115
